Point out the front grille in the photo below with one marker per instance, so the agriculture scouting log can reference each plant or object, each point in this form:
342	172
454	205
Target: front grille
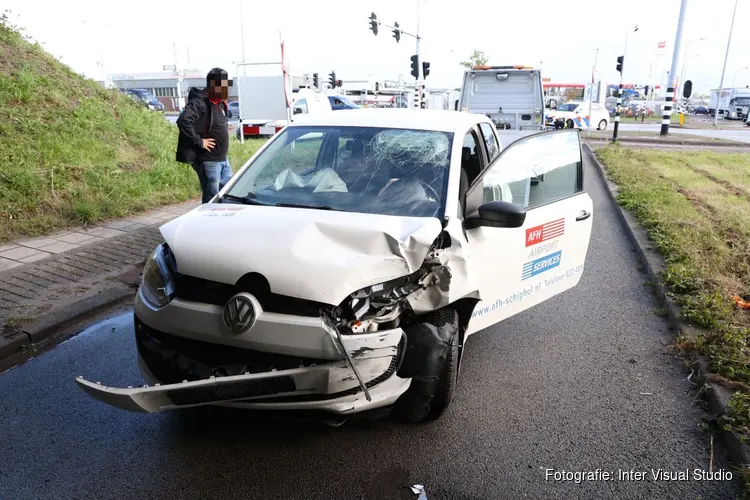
172	359
212	292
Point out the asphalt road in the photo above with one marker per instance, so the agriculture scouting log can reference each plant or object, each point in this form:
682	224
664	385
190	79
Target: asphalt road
582	382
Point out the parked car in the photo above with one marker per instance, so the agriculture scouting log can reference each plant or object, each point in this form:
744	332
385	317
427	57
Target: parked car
234	108
339	102
700	110
572	114
145	97
358	253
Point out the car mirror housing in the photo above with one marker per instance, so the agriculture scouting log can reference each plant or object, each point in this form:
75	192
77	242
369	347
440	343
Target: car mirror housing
497	214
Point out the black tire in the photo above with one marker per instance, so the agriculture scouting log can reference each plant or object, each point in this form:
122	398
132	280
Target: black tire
602	127
570	124
427	398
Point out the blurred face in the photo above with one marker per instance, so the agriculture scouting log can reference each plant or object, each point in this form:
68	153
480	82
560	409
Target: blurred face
219	89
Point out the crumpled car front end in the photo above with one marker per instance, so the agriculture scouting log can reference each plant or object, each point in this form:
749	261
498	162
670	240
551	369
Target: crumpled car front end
207	342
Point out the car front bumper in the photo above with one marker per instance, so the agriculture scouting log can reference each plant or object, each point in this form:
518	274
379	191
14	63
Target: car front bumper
283	362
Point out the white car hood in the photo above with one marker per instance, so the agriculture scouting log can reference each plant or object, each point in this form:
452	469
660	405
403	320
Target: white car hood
311	254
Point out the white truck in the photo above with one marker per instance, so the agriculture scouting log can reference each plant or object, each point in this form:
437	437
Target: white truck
730	104
447	100
267	102
511	96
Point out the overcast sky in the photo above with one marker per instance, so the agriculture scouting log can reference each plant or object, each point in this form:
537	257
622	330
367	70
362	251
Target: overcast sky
321	36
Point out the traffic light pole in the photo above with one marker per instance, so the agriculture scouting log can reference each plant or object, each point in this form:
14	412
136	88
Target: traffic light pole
375	23
619	93
666	117
619	107
419	63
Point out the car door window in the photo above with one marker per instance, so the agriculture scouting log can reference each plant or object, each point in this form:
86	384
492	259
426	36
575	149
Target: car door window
301	105
472	160
490	141
534	171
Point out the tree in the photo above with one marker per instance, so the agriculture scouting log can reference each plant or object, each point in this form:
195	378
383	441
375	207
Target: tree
477	58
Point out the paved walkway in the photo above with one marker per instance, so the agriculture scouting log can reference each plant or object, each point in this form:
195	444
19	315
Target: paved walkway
26	251
39	276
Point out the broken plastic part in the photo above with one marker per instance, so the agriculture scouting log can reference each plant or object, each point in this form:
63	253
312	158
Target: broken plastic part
351	365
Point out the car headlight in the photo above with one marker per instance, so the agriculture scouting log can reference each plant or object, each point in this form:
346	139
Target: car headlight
150	106
157	284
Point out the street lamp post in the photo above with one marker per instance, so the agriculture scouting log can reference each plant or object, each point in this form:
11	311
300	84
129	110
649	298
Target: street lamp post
242	38
726	57
666	117
681	83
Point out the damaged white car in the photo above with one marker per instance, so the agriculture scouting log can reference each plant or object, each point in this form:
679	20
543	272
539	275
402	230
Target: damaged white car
345	265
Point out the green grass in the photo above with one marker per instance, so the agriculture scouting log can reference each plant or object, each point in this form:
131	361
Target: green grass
694	206
72	152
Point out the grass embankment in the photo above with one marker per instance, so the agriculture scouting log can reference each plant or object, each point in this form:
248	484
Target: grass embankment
72	152
696	209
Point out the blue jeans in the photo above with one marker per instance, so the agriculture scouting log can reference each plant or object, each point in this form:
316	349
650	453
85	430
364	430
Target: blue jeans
212	175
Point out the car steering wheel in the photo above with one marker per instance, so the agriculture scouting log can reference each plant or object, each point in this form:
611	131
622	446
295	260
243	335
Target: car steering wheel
427	188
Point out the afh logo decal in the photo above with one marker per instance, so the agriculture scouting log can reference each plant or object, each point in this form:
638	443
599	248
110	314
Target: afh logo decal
544	232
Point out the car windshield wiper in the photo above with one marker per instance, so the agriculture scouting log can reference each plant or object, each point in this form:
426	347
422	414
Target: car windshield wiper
315	207
250	199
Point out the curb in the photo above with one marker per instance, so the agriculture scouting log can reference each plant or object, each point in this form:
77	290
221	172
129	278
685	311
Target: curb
53	323
647	140
716	395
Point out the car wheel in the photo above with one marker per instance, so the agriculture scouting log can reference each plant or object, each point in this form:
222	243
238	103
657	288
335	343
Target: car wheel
429	395
570	124
602	125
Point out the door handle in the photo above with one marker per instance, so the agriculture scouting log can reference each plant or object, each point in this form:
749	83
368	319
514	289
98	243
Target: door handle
585	214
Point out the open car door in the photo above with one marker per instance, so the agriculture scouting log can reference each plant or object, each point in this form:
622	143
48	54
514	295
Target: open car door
528	223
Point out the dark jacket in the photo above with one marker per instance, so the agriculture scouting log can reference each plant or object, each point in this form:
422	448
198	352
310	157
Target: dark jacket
195	117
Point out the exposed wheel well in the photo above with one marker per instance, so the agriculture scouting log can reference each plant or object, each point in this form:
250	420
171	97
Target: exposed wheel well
464	307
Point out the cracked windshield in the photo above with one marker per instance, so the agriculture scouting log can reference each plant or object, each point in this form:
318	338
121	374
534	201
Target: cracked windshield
391	250
353	169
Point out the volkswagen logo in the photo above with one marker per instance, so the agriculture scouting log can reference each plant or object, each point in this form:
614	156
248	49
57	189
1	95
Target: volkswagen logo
239	314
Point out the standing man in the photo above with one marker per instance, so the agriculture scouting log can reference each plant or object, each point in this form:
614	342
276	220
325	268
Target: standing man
204	134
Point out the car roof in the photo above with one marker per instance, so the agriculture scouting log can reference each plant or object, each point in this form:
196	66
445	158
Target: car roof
418	119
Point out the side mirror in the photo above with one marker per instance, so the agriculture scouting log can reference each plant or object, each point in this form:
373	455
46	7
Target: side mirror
497	214
297	111
229	113
553	105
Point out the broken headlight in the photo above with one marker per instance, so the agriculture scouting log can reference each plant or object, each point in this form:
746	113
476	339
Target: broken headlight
379	303
157	284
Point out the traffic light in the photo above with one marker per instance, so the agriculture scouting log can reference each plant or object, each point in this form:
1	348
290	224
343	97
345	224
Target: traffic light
415	66
332	79
316	81
374	23
396	33
645	91
687	90
620	61
425	69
